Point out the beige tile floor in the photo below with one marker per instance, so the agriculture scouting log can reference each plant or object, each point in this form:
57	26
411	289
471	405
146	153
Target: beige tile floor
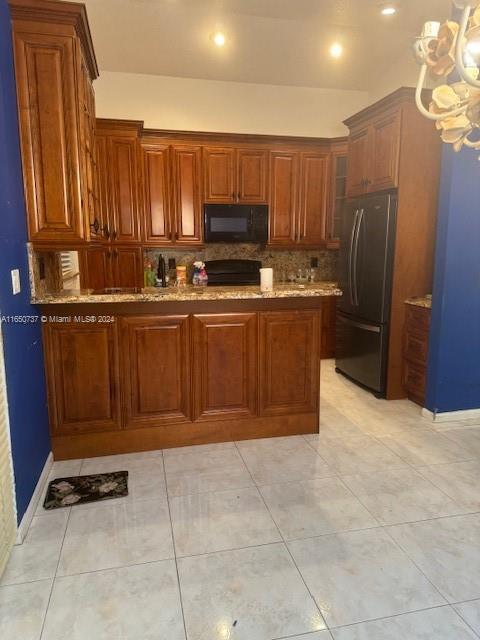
369	530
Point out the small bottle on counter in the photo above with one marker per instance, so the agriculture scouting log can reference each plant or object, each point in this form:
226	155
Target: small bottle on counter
200	277
181	276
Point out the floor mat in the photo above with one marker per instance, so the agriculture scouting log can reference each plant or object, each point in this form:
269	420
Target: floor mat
65	492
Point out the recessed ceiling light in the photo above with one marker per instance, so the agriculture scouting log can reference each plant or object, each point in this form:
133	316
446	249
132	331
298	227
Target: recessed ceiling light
389	10
336	50
219	38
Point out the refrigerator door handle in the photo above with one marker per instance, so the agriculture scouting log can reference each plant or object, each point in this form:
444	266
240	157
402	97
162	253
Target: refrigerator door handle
361	325
350	258
355	258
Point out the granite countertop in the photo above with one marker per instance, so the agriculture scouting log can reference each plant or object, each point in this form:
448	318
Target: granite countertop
425	302
190	293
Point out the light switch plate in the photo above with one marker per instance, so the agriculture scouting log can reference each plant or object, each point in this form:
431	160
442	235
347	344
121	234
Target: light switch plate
16	288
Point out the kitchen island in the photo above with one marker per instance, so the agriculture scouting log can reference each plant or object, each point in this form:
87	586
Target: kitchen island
166	368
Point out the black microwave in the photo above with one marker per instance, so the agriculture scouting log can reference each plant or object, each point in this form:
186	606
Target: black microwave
236	223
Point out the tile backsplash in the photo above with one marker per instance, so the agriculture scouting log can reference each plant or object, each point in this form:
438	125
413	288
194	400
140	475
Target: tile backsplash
280	260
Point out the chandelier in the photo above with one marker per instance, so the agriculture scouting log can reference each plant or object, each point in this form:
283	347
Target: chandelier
441	50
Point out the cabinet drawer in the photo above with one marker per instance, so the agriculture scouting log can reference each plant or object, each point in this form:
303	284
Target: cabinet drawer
417	319
415	347
414	381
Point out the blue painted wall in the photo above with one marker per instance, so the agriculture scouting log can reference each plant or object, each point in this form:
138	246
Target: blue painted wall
22	343
454	357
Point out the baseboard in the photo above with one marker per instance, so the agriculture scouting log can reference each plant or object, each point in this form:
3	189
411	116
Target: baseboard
451	416
33	504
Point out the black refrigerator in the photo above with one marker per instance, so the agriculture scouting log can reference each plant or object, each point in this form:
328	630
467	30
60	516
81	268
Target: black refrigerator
365	277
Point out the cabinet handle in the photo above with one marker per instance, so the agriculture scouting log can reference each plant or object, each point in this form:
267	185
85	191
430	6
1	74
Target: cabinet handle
176	235
238	197
114	234
95	226
106	232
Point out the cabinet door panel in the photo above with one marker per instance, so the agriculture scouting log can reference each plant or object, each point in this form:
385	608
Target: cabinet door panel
385	153
82	375
96	268
219	174
124	175
358	162
225	365
289	353
188	195
251	176
313	198
49	132
156	365
127	267
156	186
283	197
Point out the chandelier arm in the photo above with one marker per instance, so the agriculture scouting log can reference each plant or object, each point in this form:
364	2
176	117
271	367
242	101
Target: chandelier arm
418	99
471	145
459	49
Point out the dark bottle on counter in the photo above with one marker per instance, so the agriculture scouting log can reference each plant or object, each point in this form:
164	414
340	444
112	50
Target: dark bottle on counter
172	272
162	272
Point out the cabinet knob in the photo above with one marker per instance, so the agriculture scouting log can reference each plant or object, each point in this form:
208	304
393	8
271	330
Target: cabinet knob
96	225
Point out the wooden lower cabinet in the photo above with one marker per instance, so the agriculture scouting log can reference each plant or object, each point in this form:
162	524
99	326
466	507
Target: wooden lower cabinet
329	324
415	352
156	370
225	365
82	377
289	357
156	380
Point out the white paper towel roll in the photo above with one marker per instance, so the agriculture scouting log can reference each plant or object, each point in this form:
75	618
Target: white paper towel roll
266	280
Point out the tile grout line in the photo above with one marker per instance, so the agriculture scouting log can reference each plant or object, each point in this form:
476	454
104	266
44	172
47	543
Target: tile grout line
285	544
56	570
180	597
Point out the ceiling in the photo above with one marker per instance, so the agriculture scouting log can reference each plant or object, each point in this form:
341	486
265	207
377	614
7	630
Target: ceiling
282	42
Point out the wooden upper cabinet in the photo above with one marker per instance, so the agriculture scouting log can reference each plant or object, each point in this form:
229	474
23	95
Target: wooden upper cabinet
49	133
385	152
290	362
225	365
252	169
314	178
156	370
337	195
283	197
358	161
219	174
103	203
82	377
187	195
127	267
374	154
51	40
123	169
156	184
96	268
